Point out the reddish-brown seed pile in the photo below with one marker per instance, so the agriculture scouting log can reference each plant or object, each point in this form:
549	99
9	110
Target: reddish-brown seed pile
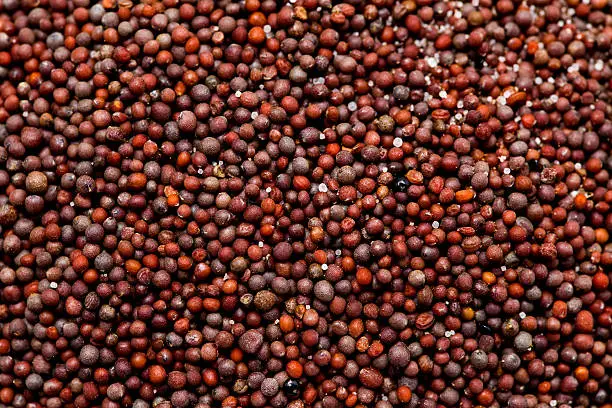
312	204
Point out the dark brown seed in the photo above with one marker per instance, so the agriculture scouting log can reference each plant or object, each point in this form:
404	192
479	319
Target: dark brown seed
251	341
265	300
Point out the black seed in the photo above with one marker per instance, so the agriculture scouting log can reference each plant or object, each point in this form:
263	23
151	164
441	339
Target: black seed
291	387
400	184
484	329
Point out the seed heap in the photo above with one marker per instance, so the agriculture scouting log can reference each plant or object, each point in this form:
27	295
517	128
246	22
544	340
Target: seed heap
217	203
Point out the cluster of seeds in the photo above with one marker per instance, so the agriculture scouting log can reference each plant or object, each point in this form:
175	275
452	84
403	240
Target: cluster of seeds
215	203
